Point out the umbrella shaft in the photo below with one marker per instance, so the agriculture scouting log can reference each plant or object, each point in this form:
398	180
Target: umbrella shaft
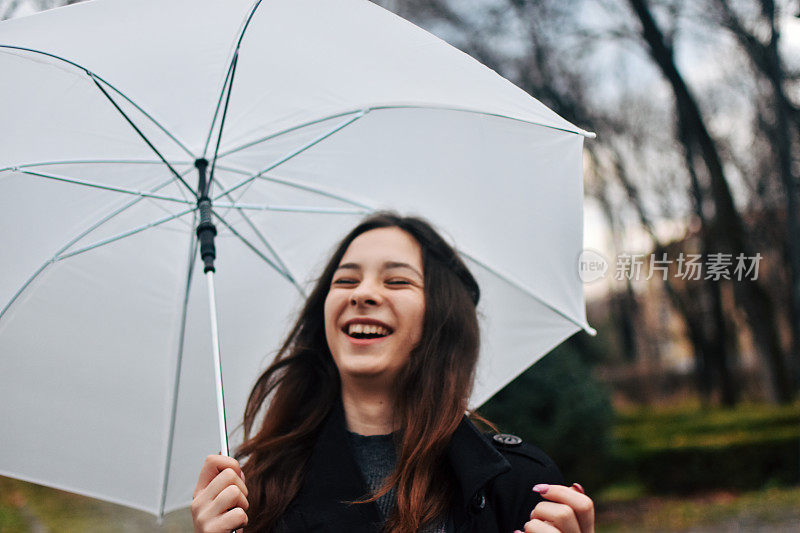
212	304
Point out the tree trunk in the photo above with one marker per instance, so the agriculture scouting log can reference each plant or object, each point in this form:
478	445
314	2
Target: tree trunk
749	295
765	58
709	344
718	343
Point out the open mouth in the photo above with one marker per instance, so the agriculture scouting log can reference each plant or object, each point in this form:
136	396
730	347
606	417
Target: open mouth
366	331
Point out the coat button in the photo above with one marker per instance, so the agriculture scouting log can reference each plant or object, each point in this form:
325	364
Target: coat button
478	503
504	439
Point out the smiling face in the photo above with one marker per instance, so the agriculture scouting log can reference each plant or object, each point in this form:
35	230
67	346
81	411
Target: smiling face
375	306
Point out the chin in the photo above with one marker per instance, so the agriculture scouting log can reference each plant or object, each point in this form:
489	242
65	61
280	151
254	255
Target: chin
364	367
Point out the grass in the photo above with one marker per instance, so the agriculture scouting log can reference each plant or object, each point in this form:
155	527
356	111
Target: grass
775	508
29	508
687	425
763	506
685	448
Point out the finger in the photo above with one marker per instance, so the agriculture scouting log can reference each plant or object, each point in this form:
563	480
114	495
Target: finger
558	514
224	479
228	499
213	465
539	526
230	521
581	504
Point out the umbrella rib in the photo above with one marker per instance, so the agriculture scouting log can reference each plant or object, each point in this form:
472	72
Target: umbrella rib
577	130
128	233
16	168
363	208
274	253
287	130
527	291
302	187
224	116
258	252
25	286
106	187
178	365
263	239
75	239
142	135
216	110
229	81
292	154
294	209
269	247
123	95
271	136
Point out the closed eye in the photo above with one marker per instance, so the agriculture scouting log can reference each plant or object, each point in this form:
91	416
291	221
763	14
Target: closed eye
345	281
398	282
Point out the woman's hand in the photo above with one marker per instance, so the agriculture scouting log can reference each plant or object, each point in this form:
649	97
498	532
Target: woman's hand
219	502
568	511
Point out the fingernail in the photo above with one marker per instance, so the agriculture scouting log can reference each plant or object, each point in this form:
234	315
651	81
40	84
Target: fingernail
578	487
517	531
241	475
541	488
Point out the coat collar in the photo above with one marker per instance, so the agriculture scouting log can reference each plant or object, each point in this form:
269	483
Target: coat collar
334	475
474	459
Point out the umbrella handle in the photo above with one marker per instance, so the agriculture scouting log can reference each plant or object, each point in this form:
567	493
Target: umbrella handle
212	305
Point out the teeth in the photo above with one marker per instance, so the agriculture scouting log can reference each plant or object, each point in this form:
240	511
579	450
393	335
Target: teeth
367	329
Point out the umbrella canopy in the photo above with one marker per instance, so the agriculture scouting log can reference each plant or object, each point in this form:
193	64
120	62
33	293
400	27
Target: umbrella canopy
311	114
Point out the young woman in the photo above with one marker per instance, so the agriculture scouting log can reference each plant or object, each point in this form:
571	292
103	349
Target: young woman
362	413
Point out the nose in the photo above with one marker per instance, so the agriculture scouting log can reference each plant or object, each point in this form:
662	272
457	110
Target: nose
367	293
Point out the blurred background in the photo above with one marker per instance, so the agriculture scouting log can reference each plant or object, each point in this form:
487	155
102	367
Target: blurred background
682	414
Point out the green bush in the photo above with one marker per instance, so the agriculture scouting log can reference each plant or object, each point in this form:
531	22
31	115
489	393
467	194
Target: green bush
689	449
740	466
558	406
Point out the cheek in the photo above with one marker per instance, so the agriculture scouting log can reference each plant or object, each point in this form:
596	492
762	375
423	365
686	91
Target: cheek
329	317
416	329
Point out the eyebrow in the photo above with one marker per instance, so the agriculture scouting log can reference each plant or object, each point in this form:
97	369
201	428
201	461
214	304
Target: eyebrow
386	266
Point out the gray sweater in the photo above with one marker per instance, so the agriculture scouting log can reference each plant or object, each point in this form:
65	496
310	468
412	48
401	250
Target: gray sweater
376	457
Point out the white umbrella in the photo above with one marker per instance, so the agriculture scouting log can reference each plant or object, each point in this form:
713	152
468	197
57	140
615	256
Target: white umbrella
330	110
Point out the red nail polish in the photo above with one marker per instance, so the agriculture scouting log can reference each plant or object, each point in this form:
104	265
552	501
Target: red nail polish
541	488
578	487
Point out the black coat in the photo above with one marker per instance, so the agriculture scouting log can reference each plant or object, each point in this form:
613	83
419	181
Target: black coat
495	475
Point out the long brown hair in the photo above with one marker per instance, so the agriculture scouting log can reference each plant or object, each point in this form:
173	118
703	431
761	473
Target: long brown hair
302	384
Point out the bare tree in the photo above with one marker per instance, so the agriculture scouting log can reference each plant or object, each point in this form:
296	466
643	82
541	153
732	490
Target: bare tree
549	59
728	231
764	55
10	8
